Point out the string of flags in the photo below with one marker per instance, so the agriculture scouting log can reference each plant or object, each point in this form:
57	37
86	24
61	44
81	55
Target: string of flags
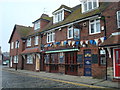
73	43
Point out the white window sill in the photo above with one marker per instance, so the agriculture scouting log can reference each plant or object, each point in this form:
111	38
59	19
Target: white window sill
29	63
70	37
94	33
83	12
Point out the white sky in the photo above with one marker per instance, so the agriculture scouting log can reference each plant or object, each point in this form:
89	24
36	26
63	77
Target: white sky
24	12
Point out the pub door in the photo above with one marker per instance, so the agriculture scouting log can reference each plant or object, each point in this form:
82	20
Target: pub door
54	63
117	63
71	63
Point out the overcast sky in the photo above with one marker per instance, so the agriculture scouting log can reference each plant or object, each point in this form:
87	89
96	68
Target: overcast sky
24	12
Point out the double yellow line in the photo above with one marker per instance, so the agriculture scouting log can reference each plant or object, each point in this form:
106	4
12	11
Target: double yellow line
62	81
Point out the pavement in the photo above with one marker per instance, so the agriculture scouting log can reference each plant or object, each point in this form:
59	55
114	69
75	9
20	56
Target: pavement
69	78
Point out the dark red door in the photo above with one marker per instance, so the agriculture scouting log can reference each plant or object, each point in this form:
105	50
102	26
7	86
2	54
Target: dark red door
117	62
70	63
54	63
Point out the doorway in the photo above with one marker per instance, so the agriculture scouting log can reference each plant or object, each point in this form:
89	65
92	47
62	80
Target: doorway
71	63
116	63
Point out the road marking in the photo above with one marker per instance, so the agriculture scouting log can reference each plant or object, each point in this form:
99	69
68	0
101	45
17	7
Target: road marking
68	82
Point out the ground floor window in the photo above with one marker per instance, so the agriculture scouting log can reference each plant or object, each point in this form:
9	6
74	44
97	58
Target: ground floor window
29	59
102	57
54	58
16	59
71	58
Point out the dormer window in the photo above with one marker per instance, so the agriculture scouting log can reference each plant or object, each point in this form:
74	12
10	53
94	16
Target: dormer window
58	16
37	25
88	5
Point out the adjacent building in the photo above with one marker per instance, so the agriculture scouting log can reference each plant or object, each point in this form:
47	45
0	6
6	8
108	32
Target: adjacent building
0	56
17	45
5	58
82	40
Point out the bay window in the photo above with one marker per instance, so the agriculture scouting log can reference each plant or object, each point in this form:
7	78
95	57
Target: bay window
73	33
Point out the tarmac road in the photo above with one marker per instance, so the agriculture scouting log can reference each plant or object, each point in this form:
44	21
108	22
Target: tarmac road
17	80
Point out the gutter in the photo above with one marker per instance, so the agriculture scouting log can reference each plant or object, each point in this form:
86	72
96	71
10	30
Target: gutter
73	22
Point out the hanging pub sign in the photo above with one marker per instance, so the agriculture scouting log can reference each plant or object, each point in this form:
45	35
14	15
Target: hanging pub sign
76	34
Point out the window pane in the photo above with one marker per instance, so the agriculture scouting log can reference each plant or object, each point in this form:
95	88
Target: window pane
85	6
103	60
70	33
90	5
92	28
94	3
98	27
51	37
37	25
119	19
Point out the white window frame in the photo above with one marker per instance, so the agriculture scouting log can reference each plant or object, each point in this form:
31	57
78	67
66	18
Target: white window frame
70	28
16	59
12	45
16	44
87	5
58	16
95	21
29	59
36	40
50	37
118	19
28	42
37	25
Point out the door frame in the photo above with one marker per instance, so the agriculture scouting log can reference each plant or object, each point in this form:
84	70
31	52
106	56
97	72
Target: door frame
11	59
37	59
114	62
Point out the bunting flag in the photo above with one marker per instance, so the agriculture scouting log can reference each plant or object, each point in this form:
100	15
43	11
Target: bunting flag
81	42
77	42
94	43
50	44
105	38
62	43
91	41
69	42
96	40
57	43
73	42
86	41
65	42
54	45
102	39
46	45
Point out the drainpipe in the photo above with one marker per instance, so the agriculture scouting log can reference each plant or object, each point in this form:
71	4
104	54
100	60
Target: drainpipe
103	18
